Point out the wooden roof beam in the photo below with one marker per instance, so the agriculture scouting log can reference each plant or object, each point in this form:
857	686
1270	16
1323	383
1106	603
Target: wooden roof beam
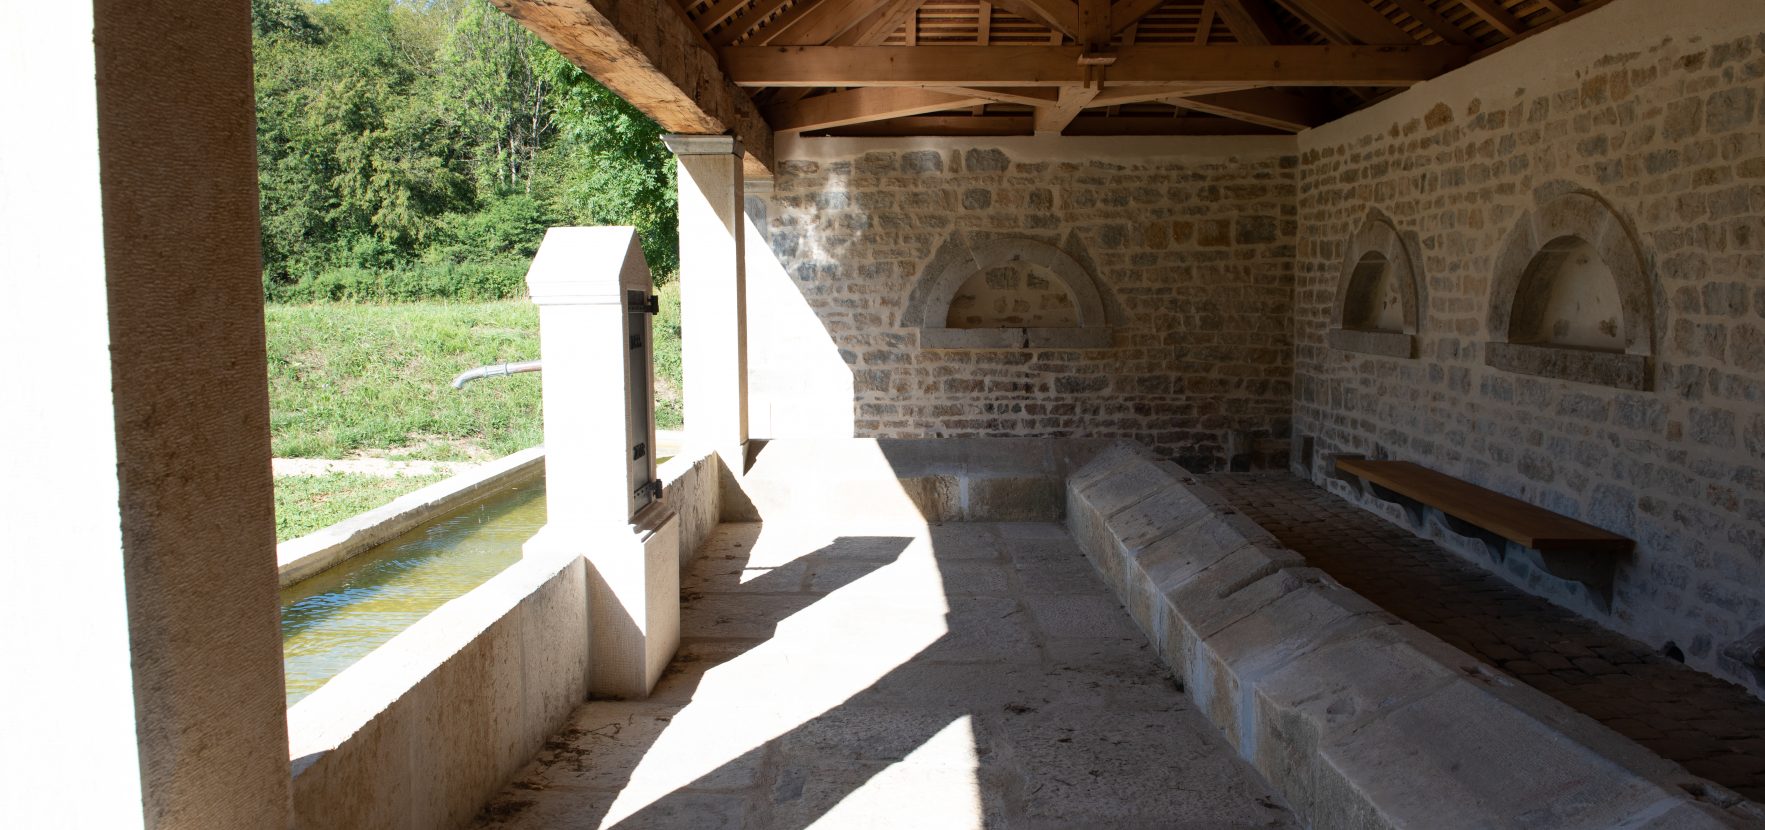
1128	12
1084	125
1356	20
649	53
1491	11
820	25
879	24
859	106
1251	22
1094	30
1350	21
984	66
742	24
1052	119
1434	22
1275	108
1059	15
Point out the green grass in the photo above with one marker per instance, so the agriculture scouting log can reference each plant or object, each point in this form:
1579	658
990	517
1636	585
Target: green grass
353	379
306	503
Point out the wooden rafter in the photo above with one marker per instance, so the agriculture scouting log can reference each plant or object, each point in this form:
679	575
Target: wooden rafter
858	106
1060	15
879	24
1348	21
1251	22
845	66
740	25
784	22
717	12
819	26
1434	22
1500	18
1204	26
1128	12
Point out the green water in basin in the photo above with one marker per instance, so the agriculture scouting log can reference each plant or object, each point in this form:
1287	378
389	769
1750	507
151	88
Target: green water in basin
336	617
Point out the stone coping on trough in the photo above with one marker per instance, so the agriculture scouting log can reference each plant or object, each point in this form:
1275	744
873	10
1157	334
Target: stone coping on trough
1360	719
421	731
301	557
424	729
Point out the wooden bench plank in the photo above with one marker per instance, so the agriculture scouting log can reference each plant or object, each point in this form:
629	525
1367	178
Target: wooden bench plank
1508	517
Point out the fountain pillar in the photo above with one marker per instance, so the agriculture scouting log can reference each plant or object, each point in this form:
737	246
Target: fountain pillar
603	501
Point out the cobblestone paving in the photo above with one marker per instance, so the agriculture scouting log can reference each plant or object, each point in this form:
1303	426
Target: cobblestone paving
1712	727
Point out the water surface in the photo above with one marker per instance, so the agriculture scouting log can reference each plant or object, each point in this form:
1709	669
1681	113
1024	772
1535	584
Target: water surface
339	615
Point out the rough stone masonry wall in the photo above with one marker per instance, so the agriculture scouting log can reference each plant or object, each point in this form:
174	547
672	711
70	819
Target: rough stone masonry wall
1192	253
1667	123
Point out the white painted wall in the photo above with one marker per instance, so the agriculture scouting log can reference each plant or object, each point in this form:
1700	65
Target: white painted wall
67	709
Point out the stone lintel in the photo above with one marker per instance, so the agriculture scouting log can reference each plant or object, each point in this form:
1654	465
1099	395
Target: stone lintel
1614	369
1083	337
1385	343
702	145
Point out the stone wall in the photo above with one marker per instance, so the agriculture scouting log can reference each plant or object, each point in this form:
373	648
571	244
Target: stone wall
1189	242
1661	118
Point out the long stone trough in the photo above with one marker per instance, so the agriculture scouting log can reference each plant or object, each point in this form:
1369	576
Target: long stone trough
1360	719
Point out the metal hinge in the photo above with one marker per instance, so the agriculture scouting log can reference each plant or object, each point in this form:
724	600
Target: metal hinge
642	449
653	488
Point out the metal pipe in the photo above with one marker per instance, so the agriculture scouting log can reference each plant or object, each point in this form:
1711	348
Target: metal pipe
494	370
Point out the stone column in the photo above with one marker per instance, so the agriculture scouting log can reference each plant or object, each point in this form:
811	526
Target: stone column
596	503
713	289
140	601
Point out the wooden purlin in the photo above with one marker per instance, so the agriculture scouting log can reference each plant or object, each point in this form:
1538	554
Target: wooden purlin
849	66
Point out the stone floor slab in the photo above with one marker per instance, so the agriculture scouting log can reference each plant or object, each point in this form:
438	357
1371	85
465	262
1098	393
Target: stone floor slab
970	676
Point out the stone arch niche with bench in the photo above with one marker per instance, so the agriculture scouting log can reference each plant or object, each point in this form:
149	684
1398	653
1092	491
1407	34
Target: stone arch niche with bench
1378	305
1572	297
1008	293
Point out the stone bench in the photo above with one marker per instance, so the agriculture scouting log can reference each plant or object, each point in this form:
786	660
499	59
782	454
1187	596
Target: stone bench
1566	547
1360	719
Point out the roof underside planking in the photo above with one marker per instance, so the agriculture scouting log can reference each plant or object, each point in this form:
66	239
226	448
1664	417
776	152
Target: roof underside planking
1018	67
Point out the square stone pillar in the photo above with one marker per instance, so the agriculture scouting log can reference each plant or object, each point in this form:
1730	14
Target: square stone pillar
144	684
602	499
713	293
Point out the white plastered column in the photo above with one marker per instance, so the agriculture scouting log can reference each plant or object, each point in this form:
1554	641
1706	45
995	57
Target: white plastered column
580	279
713	293
144	685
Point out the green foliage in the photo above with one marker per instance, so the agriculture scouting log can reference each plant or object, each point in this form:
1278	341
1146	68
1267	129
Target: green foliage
345	378
498	279
435	139
306	503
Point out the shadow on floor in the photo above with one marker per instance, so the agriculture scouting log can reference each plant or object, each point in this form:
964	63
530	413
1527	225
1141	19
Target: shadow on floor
932	688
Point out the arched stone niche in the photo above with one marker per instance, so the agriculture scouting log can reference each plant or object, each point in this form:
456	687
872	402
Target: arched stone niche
1573	298
1007	293
1378	310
